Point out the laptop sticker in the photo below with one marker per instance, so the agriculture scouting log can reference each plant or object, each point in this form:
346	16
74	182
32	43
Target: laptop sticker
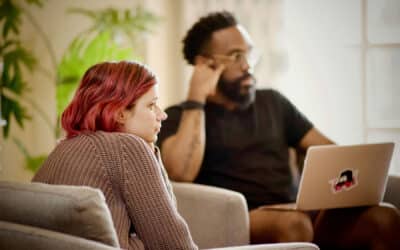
346	180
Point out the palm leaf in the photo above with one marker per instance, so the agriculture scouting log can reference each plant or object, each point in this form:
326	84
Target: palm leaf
11	15
33	163
11	108
83	53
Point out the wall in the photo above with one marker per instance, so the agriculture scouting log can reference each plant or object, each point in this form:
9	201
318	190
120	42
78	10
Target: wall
60	27
163	50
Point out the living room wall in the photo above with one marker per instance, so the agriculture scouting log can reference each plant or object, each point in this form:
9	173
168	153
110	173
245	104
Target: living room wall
60	28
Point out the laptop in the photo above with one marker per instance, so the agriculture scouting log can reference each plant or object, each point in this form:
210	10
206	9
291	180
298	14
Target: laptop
342	176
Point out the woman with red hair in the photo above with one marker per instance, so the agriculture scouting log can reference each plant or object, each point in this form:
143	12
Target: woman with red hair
111	126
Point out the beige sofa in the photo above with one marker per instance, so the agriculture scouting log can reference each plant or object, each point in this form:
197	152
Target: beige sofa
392	193
38	216
210	229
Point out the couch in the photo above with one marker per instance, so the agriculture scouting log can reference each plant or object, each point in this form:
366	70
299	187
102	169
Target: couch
234	228
38	216
392	193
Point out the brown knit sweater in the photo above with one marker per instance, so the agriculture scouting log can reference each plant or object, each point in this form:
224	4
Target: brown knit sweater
130	176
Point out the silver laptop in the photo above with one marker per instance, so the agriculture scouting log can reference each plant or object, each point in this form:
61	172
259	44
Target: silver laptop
343	176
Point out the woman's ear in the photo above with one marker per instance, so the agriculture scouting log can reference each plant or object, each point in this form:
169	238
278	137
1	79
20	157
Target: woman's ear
121	116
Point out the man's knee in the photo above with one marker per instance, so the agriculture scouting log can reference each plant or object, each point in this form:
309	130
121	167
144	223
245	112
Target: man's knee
384	220
296	227
280	226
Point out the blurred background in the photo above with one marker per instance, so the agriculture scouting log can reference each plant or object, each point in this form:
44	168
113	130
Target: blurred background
337	61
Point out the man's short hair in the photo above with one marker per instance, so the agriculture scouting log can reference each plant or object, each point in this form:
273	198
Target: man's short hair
200	33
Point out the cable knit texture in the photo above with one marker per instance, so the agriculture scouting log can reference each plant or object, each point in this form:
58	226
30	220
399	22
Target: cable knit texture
132	180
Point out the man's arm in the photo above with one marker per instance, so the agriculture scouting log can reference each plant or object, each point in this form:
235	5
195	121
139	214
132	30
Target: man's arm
313	137
183	152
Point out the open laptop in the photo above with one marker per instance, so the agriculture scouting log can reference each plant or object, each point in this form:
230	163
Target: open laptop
342	176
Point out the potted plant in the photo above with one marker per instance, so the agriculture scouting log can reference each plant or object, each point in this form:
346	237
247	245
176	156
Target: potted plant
13	58
114	35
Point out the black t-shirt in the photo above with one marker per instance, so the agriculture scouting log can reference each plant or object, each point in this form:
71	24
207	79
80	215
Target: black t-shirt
247	150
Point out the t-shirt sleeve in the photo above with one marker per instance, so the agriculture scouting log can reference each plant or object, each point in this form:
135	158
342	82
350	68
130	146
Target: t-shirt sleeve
296	123
150	207
170	125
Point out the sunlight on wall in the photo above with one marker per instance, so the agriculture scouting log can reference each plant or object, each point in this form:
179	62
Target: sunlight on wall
343	65
323	78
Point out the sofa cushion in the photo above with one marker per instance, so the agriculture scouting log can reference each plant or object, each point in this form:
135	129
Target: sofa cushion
76	210
16	236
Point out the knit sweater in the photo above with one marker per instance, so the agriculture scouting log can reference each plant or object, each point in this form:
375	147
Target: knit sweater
128	172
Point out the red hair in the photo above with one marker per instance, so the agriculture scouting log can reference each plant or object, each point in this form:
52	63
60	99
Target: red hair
105	89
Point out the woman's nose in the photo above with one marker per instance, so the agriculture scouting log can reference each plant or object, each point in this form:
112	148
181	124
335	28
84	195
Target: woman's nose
161	115
164	115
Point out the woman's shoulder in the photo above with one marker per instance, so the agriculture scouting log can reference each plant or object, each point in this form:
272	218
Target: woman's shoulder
106	141
102	138
120	136
112	136
122	139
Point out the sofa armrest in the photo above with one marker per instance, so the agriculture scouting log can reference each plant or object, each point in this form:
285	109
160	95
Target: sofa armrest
17	236
216	217
392	190
76	210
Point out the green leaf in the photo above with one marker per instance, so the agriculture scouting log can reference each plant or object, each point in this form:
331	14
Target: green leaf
84	52
7	44
16	84
88	13
6	113
9	108
11	15
33	163
132	23
64	95
38	3
16	57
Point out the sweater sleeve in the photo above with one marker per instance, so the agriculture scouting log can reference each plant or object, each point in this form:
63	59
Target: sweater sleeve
155	218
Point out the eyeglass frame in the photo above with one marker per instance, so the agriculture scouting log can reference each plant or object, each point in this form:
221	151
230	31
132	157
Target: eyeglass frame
237	57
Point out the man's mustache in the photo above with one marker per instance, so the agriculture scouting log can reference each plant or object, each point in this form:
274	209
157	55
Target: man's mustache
245	77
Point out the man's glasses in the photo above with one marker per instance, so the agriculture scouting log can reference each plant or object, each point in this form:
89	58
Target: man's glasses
238	58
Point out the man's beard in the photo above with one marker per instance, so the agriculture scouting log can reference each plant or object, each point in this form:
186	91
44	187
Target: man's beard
242	95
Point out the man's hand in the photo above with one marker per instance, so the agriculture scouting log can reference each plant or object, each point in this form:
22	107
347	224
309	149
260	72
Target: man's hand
204	80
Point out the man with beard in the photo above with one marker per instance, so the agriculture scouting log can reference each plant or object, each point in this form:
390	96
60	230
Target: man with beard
229	134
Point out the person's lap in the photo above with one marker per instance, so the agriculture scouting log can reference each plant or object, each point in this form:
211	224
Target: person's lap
269	225
338	228
375	227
